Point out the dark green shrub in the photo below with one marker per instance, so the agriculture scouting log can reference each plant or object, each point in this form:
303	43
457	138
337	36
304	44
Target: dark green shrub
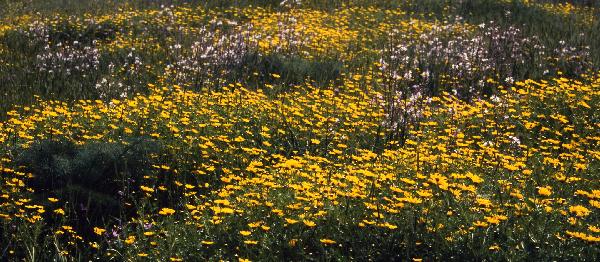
292	69
94	180
67	32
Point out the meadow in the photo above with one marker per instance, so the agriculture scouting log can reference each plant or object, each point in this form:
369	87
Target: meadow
269	130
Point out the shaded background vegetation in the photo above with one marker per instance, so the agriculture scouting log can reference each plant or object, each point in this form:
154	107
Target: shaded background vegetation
21	81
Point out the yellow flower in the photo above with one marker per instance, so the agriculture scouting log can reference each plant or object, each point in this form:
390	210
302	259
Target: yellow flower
327	241
166	211
583	236
480	224
579	210
204	242
494	247
291	221
59	211
309	223
545	191
147	189
99	231
388	225
245	233
293	242
130	240
53	200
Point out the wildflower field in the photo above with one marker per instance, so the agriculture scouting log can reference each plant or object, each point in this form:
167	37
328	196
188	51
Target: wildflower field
269	130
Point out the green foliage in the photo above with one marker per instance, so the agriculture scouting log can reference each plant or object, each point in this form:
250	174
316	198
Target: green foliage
96	179
293	70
